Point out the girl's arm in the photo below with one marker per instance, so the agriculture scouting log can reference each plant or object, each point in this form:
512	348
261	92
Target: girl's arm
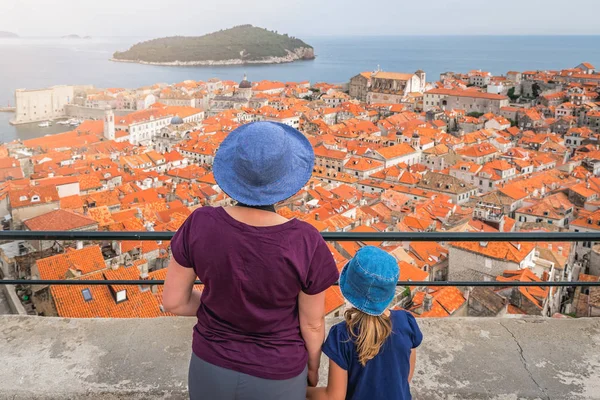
311	309
179	296
413	362
336	386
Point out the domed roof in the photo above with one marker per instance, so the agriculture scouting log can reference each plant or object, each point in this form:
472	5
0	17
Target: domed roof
176	120
245	83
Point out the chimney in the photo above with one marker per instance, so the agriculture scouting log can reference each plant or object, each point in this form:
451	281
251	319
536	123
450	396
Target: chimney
483	244
550	246
79	245
317	217
428	302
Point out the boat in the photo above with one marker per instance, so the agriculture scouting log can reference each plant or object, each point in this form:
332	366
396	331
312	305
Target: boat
64	122
74	122
45	124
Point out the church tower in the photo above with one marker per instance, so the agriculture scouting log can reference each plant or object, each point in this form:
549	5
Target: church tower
245	88
415	141
109	124
422	78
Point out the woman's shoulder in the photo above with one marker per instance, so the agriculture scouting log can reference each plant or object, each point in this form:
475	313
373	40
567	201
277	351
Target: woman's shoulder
307	230
201	215
204	211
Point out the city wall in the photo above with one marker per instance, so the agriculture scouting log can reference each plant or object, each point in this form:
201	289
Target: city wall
460	358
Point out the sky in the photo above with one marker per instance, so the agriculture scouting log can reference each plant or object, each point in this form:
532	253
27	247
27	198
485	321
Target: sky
302	18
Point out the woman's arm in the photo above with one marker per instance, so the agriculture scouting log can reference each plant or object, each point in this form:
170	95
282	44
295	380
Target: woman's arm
336	386
179	296
312	326
413	362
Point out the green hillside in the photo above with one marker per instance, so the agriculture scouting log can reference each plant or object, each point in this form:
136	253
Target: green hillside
244	42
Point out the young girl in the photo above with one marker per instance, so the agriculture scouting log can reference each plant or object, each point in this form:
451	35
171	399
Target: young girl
372	354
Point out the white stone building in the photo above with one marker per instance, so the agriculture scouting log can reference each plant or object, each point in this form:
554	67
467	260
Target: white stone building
41	104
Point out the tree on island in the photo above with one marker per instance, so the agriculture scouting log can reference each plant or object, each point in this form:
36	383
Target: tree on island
244	42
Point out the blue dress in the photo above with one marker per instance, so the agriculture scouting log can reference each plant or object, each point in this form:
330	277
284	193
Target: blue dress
385	376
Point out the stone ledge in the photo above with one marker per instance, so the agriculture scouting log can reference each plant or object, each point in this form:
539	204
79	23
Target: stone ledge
460	358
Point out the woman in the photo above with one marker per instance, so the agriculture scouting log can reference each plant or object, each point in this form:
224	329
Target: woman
260	316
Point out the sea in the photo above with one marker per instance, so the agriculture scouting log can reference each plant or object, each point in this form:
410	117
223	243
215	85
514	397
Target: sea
35	63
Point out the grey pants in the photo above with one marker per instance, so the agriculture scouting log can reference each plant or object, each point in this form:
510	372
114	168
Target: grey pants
209	382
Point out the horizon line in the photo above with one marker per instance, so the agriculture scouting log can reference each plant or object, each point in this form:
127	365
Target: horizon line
87	37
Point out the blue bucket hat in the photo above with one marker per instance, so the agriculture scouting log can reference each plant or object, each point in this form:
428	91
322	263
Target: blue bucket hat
368	281
262	163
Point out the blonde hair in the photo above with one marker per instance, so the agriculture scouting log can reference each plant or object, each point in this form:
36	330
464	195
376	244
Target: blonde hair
368	332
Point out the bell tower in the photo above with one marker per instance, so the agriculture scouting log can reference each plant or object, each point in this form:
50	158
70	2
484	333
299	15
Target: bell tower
109	124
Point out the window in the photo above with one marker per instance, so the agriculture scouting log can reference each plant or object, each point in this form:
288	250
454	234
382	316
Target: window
87	295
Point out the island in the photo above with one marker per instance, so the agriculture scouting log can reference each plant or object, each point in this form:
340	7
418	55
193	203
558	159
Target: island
8	35
73	36
244	44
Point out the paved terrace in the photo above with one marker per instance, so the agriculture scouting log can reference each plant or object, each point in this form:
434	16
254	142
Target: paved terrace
460	358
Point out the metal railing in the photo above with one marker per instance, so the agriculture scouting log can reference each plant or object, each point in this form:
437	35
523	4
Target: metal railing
328	236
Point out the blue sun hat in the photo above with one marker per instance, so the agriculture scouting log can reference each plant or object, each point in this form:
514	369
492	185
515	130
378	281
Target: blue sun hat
263	163
368	281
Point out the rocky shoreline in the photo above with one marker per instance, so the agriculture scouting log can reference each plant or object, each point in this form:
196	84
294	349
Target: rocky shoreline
301	53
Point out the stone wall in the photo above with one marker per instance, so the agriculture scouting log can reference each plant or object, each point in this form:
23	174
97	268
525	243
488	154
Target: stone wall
80	112
465	265
460	358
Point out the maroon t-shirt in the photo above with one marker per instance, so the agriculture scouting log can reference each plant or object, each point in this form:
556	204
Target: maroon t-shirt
248	318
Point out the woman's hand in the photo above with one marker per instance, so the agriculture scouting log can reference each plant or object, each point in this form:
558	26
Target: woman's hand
313	377
312	326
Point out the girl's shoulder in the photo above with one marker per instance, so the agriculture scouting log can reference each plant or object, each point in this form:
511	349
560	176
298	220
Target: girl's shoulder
400	314
339	330
404	322
402	317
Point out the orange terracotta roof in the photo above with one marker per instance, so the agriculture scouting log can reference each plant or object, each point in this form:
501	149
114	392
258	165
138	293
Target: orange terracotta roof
70	301
59	220
393	75
74	202
333	299
32	196
395	151
409	272
84	261
362	164
102	215
506	251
